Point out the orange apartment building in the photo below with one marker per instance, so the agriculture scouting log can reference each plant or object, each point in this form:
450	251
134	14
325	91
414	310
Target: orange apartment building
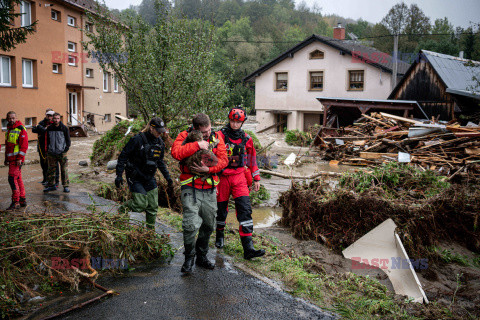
49	70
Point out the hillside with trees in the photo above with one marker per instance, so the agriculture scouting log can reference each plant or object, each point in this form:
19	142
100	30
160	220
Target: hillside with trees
250	33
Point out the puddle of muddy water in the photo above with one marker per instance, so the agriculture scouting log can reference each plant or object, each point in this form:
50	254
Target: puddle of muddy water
263	217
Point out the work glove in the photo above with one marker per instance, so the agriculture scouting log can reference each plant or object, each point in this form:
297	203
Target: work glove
66	149
118	181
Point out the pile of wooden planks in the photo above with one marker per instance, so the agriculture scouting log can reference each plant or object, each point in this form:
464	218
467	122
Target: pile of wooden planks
449	149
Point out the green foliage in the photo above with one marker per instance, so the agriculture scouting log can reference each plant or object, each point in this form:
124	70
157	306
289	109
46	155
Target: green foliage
167	69
448	256
11	36
256	143
260	196
297	138
114	140
394	176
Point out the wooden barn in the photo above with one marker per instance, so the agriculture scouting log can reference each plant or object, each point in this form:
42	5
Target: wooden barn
444	86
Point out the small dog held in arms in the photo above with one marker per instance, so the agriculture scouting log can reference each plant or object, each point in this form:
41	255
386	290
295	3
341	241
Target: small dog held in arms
207	156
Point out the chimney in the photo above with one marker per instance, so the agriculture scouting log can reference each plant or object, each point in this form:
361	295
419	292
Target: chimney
460	55
339	32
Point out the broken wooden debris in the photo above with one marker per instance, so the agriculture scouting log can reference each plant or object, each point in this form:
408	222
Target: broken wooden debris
381	137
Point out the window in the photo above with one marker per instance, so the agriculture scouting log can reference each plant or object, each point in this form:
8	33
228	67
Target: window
316	80
282	81
55	15
106	80
108	117
72	46
56	68
71	21
317	54
5	71
115	84
30	122
27	73
355	80
26	11
4	124
89	73
72	60
89	27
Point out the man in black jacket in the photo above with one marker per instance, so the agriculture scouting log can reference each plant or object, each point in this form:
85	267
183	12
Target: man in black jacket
140	159
58	144
41	130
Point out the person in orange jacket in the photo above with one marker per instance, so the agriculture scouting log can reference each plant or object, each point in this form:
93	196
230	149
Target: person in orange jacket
16	145
234	181
199	198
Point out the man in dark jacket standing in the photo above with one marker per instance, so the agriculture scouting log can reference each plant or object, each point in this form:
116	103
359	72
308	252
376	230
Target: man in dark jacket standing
140	159
58	144
41	130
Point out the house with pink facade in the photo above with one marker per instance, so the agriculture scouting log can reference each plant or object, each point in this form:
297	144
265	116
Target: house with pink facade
287	88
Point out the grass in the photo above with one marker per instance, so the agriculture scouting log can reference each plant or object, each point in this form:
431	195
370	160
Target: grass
171	218
394	177
448	256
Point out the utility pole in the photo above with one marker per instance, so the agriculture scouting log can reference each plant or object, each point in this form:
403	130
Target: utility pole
395	60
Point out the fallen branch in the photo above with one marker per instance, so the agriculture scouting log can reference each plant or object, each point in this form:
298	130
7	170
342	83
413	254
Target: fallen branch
313	176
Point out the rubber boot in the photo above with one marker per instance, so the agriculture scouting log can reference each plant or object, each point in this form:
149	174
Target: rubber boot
219	239
203	262
189	259
23	202
249	251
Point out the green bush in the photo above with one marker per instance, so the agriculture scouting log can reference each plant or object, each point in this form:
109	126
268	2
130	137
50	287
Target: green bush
113	141
256	142
298	138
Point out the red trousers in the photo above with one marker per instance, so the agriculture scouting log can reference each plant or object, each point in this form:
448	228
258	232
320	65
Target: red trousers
236	186
15	181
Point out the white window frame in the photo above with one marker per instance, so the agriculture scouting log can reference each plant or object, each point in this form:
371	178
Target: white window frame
24	62
54	15
88	27
69	21
115	83
89	73
107	117
73	46
106	76
4	121
26	11
9	83
74	63
27	125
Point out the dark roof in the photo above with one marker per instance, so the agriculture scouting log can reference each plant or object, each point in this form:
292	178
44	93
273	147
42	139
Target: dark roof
89	5
455	73
385	61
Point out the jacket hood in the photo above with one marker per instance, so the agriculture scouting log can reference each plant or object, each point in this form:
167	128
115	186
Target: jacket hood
18	123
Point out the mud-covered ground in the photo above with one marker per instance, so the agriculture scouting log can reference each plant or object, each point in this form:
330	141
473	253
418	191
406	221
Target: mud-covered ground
443	283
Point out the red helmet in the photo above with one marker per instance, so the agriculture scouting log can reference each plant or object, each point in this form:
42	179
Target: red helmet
237	114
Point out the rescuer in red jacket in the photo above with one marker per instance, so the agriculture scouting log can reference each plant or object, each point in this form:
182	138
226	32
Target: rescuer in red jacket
235	180
199	198
16	145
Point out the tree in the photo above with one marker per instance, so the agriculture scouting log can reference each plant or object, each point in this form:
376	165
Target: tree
10	35
149	10
396	19
166	70
442	40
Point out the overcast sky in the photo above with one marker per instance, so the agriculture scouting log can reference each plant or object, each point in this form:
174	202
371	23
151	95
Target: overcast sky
459	12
